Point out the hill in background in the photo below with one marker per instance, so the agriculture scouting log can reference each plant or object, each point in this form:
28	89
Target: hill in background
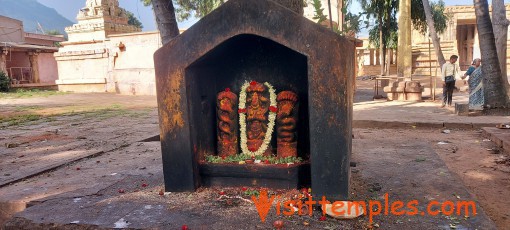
31	12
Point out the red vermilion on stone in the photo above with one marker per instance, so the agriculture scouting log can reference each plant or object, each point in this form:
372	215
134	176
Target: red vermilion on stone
273	109
241	110
253	83
227	89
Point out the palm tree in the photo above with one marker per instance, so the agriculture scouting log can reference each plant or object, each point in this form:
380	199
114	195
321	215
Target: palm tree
384	11
500	26
494	88
432	32
165	18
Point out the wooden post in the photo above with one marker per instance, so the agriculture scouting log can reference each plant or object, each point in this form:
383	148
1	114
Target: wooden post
34	64
3	61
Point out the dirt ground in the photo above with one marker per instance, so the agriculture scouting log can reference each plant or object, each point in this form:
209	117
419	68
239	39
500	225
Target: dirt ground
482	167
101	170
475	160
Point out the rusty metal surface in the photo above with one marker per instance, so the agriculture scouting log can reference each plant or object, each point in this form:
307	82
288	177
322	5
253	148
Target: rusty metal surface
262	41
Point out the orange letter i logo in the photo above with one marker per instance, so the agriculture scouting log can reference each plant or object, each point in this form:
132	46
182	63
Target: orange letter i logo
263	204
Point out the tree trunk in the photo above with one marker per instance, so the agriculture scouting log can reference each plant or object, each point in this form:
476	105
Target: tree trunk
385	47
340	14
432	32
165	19
388	62
381	46
493	85
500	25
383	60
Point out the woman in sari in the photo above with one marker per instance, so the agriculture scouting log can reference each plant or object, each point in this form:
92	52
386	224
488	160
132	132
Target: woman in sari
476	99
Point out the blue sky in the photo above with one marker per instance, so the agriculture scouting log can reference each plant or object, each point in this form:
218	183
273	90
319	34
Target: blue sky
69	9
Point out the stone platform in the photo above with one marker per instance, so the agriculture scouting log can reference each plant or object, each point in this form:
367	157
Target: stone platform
391	165
499	136
404	91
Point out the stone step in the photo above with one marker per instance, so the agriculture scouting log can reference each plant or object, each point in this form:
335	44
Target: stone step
501	137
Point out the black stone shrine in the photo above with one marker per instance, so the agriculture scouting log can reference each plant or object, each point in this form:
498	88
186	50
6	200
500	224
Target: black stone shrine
263	41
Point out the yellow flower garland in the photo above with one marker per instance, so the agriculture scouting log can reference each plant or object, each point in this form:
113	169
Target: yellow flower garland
242	120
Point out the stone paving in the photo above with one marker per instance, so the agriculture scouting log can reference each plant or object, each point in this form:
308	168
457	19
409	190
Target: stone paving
93	158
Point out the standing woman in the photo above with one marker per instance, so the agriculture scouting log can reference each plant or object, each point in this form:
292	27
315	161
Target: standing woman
476	99
475	64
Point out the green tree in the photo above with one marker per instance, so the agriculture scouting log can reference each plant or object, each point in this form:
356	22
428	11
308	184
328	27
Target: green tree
435	21
189	8
196	8
351	22
318	11
146	2
383	34
53	32
500	26
164	12
419	19
5	82
493	85
133	20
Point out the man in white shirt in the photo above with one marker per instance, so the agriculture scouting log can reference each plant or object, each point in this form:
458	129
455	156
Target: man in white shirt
448	73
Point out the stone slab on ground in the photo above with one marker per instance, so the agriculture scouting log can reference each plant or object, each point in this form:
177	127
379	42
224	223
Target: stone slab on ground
405	170
418	124
369	113
412	170
501	137
395	165
50	145
390	114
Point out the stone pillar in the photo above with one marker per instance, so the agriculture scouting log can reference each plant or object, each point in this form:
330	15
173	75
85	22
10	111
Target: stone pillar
462	46
34	64
377	57
3	61
404	61
476	45
471	41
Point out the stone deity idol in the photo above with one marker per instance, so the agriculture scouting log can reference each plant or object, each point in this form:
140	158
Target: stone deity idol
257	106
227	121
286	123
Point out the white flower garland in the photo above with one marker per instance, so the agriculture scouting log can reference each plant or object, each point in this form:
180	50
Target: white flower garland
242	120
